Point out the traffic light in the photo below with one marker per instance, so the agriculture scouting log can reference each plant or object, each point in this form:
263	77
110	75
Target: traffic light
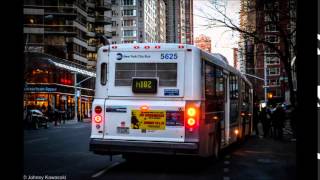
270	95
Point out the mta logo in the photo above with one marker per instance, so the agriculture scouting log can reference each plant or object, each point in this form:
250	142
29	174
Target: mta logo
119	56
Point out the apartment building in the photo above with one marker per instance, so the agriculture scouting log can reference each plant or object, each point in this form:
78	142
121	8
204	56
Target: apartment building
203	42
137	21
68	29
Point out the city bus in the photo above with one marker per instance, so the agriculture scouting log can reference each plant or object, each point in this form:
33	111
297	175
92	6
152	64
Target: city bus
173	99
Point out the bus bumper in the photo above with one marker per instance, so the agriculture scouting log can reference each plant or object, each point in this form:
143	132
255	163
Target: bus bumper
109	146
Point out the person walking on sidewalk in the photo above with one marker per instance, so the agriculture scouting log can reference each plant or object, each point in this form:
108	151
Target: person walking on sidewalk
278	116
255	118
265	121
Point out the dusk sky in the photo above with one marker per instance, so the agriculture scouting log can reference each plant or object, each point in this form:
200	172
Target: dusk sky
222	39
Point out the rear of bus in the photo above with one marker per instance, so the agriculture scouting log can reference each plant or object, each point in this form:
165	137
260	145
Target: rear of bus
147	100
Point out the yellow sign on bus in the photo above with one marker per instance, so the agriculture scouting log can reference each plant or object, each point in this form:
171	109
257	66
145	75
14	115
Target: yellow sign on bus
149	120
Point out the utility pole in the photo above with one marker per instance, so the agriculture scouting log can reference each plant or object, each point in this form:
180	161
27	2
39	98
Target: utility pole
75	97
265	80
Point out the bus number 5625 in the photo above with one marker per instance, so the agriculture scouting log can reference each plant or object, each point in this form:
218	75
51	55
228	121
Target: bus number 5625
169	56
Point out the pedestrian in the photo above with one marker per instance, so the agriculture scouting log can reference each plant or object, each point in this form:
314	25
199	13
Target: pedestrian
255	118
49	113
55	116
271	121
265	121
278	116
43	109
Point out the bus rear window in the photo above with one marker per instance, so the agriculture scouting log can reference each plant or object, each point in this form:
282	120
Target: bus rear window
166	72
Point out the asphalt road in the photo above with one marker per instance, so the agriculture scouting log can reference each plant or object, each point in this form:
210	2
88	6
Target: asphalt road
62	152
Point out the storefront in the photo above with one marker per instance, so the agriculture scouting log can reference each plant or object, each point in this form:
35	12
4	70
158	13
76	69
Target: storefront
50	82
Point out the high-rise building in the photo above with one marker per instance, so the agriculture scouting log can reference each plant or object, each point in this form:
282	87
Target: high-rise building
273	22
203	42
189	21
68	29
136	21
176	21
161	21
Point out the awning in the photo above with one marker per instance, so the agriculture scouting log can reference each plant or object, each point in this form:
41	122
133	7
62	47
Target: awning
61	63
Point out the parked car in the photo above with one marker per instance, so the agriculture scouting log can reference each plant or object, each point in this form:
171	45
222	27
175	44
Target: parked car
36	119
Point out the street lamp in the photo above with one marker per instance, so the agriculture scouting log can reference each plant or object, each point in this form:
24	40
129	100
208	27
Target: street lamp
265	84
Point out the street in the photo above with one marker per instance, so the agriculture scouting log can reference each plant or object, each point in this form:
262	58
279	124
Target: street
62	151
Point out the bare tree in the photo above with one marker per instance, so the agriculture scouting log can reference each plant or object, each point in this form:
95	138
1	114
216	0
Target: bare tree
277	16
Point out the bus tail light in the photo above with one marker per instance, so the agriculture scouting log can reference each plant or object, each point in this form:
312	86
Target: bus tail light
97	119
191	122
98	109
192	115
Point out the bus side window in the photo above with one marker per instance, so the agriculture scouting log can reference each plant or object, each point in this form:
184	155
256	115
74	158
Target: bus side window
103	77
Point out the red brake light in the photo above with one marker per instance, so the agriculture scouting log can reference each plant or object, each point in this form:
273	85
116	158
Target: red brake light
98	109
157	47
97	119
181	46
147	47
136	47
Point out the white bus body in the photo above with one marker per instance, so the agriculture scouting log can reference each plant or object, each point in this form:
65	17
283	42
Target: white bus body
151	98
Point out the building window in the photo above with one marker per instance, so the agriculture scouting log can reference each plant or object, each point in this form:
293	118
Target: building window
270	17
114	13
272	38
273	71
272	60
273	82
271	28
129	33
271	6
129	12
114	23
268	50
129	2
129	23
128	41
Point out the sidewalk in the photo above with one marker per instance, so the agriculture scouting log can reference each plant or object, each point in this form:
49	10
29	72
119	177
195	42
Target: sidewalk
287	134
73	121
